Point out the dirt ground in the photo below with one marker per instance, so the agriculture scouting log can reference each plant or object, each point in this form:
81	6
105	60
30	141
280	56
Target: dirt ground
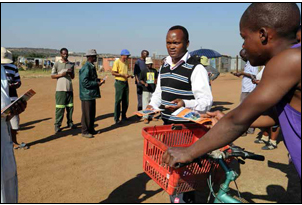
67	168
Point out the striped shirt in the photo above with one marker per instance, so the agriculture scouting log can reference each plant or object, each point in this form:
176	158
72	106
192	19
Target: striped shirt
247	84
13	79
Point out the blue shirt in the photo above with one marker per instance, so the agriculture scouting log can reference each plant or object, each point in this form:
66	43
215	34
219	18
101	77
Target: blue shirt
139	66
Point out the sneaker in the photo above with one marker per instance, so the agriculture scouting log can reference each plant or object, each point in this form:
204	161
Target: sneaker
125	119
72	126
260	141
57	129
87	135
94	132
269	146
117	122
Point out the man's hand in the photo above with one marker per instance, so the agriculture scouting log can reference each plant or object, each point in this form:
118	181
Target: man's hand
17	109
149	107
178	104
146	84
15	85
64	74
237	74
215	116
101	82
176	155
255	81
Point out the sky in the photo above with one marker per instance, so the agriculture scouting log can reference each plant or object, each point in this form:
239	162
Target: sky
111	27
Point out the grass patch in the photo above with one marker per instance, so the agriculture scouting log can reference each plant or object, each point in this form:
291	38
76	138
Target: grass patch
39	73
34	73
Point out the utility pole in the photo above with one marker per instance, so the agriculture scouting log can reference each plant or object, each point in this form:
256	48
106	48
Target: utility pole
237	60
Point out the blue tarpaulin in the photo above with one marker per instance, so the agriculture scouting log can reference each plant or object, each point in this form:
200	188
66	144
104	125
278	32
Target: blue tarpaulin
206	52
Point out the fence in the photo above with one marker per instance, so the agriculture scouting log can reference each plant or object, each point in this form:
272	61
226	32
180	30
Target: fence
226	64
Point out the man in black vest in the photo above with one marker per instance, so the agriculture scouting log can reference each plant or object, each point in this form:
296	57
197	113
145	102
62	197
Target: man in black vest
183	82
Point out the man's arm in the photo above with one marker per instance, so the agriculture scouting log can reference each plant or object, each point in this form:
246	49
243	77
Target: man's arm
142	78
86	81
54	72
136	71
203	98
248	75
16	79
72	72
268	120
282	74
116	74
215	73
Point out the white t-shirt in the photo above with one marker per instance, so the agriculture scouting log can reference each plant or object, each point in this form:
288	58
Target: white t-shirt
259	75
247	84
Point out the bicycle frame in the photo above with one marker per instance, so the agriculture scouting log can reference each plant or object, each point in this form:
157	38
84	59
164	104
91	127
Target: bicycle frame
222	196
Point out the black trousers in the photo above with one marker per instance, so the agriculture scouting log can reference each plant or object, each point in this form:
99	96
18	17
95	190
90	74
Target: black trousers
139	91
88	116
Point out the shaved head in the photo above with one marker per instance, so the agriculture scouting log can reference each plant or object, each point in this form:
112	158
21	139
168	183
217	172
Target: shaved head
284	18
242	54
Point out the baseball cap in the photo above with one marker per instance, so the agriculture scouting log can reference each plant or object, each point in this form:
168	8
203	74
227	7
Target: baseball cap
125	52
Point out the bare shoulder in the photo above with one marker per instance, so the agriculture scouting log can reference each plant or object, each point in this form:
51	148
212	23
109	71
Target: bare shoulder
287	62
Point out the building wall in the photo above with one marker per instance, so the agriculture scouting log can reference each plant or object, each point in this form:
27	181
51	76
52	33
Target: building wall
78	60
108	63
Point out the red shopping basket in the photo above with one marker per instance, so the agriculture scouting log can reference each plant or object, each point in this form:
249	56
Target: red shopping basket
173	181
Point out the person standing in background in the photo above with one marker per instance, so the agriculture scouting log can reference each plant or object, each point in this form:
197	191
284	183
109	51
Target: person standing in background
14	82
248	74
140	66
148	78
9	180
120	71
213	72
63	71
89	92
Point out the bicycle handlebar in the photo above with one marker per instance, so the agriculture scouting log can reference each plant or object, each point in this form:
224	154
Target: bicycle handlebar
240	152
235	152
247	155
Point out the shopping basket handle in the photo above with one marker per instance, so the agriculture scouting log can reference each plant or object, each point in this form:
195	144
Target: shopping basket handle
197	160
176	127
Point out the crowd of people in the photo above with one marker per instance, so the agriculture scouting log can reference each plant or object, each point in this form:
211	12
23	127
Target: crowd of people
271	33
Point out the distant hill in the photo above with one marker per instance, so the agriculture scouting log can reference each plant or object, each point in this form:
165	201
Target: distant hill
27	52
36	52
47	52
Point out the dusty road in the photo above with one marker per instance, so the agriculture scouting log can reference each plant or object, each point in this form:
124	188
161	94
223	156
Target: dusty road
67	168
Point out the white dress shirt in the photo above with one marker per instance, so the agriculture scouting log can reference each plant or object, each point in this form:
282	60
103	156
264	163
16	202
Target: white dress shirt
9	185
200	87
